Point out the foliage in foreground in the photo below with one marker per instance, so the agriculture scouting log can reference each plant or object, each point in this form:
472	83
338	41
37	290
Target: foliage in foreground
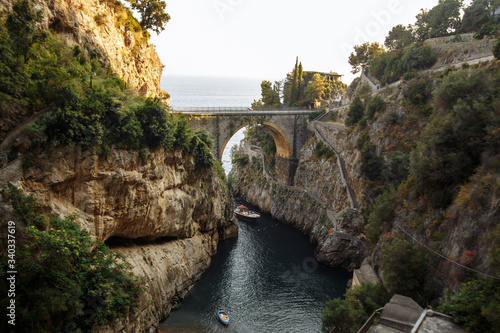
349	314
476	306
66	282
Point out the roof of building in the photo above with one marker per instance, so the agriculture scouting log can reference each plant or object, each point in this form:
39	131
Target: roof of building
331	73
402	314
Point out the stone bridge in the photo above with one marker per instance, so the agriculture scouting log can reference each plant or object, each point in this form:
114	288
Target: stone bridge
288	128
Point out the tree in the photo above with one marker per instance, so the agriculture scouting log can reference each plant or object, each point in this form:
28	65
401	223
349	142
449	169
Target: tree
156	124
295	84
477	14
337	89
445	18
421	28
475	306
363	54
405	267
153	15
66	281
270	95
496	49
399	38
21	25
300	92
356	112
316	88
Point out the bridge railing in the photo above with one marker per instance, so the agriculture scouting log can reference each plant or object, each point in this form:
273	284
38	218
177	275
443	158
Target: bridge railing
237	109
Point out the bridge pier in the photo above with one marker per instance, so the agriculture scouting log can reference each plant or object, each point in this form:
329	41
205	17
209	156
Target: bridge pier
285	169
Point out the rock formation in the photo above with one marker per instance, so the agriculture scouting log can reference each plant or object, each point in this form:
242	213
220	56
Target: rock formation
318	204
166	216
107	30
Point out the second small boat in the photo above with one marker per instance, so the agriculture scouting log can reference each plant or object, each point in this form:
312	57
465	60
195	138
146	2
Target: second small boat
223	317
244	213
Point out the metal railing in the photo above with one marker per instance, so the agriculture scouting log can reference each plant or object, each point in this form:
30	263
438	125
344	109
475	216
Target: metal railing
242	110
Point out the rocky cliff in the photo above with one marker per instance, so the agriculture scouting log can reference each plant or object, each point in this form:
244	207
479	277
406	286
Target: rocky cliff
318	204
166	216
379	154
107	30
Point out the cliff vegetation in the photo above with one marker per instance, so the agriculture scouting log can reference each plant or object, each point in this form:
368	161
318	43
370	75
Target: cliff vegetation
126	204
419	136
428	157
91	41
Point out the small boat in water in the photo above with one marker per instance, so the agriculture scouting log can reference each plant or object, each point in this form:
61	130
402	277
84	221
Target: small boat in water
223	317
244	213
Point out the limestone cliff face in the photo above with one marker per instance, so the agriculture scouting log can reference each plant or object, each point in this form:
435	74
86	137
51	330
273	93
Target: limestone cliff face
175	212
106	29
317	203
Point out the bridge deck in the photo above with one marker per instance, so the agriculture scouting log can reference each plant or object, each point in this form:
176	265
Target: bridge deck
236	111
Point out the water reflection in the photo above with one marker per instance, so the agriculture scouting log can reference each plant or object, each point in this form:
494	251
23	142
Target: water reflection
267	280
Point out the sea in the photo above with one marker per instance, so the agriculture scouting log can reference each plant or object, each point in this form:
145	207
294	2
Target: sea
203	92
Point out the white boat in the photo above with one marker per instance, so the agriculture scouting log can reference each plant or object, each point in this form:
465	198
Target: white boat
244	213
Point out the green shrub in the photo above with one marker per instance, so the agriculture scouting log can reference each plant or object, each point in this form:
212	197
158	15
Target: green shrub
202	145
380	219
372	165
475	306
377	104
405	268
464	85
240	160
156	124
322	151
398	169
418	91
496	49
65	280
349	314
451	144
391	66
355	113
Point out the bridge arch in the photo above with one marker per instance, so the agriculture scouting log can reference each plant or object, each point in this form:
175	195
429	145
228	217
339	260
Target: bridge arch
283	145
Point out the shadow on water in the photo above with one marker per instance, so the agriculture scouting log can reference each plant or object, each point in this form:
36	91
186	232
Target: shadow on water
267	280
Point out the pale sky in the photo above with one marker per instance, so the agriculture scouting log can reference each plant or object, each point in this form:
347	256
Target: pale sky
261	38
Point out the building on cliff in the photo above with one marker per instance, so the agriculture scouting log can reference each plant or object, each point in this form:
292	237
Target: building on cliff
402	314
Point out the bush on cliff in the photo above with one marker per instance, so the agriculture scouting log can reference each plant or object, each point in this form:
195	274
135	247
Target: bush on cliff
349	314
475	306
405	267
389	67
451	145
87	105
65	281
356	112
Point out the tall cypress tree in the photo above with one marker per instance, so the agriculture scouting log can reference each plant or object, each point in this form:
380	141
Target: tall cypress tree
300	86
295	84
